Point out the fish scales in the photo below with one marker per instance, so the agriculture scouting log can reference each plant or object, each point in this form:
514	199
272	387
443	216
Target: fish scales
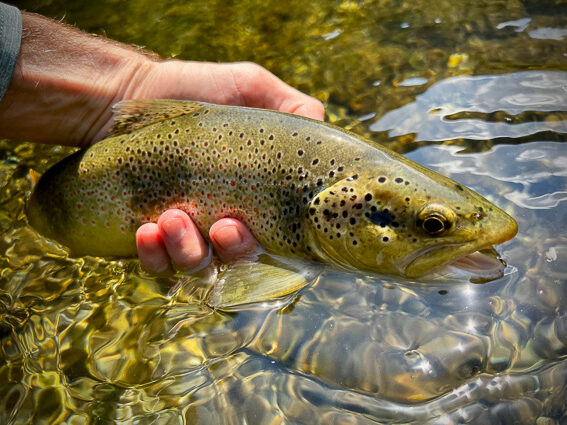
302	187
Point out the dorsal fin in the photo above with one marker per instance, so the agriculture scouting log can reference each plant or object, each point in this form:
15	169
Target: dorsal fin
130	115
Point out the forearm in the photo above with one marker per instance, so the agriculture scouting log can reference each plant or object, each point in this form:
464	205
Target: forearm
64	83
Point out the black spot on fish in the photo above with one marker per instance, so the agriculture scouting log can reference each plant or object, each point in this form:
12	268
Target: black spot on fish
300	152
382	179
315	161
367	197
458	186
399	180
382	218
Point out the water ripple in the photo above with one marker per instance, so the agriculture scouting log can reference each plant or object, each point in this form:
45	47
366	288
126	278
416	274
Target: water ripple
512	105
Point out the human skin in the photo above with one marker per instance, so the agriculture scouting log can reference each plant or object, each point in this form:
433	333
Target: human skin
62	91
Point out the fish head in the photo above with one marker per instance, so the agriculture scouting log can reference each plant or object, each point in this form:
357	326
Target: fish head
409	221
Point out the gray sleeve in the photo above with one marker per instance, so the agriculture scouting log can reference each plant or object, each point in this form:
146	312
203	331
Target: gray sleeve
10	37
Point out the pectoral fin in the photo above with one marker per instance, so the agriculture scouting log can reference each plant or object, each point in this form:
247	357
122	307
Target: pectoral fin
249	282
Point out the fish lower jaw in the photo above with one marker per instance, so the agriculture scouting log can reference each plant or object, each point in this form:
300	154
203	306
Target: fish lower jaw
478	267
477	264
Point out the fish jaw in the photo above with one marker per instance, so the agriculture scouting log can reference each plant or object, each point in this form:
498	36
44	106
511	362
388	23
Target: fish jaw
478	267
466	256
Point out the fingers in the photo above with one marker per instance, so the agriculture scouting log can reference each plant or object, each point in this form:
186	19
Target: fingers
183	242
231	239
174	242
151	249
260	88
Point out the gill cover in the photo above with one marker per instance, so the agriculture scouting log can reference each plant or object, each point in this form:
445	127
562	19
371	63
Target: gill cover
348	225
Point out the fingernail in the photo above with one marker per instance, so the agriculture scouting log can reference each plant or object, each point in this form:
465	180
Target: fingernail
228	238
174	229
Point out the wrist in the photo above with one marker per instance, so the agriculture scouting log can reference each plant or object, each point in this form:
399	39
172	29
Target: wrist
64	84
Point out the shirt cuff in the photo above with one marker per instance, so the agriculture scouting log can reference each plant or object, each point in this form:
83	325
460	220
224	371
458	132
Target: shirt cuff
10	38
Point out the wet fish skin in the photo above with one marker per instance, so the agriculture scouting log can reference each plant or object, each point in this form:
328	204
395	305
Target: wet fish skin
303	187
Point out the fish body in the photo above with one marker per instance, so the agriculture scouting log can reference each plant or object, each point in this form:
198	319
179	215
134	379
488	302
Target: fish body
303	187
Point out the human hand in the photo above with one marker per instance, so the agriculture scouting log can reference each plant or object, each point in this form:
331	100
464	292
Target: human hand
174	242
239	84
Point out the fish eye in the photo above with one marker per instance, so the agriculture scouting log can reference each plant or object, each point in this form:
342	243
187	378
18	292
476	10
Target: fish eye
434	224
435	219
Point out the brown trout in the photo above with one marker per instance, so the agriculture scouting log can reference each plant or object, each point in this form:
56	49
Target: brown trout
303	187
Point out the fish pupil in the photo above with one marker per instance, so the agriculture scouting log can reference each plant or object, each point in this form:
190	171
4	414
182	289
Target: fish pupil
433	225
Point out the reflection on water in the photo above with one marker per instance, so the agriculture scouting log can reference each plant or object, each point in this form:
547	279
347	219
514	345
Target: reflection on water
86	340
513	106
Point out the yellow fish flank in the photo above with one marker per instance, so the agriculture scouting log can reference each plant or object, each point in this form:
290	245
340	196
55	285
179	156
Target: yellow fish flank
303	187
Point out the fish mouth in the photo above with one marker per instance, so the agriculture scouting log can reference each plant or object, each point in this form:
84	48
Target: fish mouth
457	260
474	258
479	267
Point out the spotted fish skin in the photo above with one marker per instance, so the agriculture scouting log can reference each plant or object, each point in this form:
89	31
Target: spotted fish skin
302	187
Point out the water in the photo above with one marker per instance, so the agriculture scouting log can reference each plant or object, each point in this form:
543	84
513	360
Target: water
475	90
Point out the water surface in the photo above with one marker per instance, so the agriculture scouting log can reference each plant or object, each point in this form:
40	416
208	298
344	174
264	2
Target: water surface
476	90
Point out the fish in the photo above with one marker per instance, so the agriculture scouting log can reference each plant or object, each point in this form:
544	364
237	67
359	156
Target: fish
304	188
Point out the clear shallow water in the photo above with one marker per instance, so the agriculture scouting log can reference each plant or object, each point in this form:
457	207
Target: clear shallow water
91	341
